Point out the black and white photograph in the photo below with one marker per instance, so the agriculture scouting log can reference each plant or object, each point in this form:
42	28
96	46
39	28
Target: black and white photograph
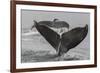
54	36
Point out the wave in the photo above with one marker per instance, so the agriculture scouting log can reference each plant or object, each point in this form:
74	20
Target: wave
30	33
27	39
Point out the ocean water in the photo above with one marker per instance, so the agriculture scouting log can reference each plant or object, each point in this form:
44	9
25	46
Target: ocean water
35	48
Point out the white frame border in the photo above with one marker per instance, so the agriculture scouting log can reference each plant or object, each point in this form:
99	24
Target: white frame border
52	64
